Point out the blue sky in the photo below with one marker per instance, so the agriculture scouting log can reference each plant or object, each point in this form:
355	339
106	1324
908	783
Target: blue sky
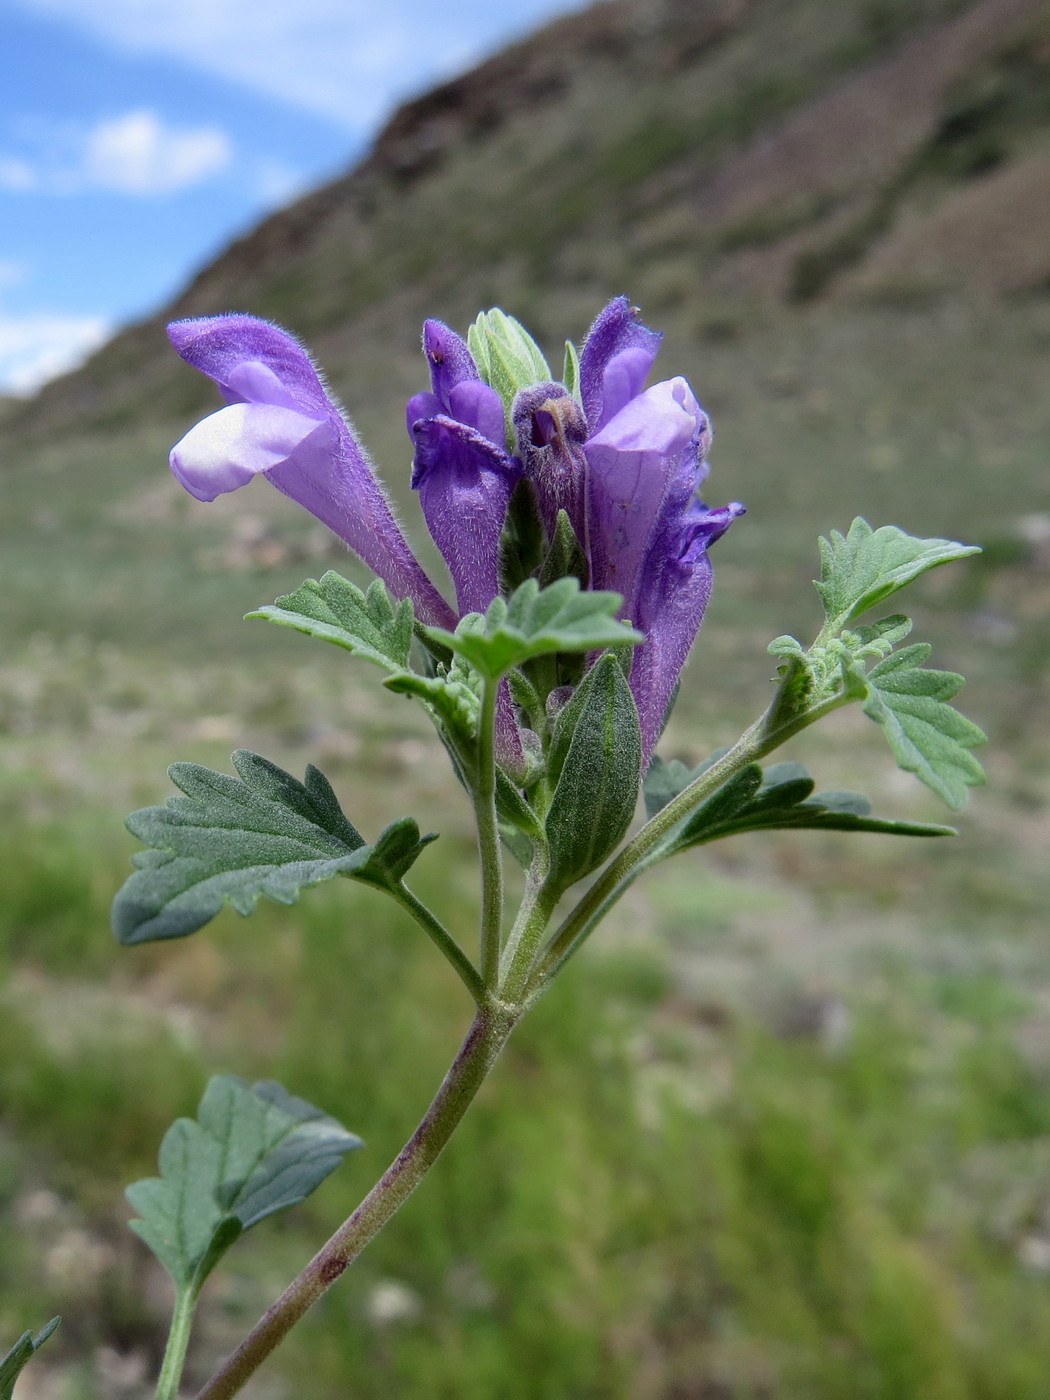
138	136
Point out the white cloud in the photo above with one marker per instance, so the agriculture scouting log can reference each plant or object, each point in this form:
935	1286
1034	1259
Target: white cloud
18	175
346	59
133	154
137	154
37	345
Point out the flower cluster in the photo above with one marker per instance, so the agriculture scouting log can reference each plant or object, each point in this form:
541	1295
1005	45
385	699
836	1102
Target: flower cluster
598	458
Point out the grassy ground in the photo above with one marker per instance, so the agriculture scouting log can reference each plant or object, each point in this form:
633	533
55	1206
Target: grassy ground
783	1131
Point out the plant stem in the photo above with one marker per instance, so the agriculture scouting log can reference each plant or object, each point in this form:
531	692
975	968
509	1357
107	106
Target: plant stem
432	925
488	839
486	1038
524	940
178	1341
757	741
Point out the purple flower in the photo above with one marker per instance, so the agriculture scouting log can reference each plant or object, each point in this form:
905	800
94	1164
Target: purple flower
460	467
624	462
280	421
674	590
615	361
647	533
464	477
464	484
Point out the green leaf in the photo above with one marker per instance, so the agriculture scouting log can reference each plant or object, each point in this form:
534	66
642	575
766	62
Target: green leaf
781	798
565	557
251	1151
522	538
367	624
232	841
596	752
387	862
866	566
15	1361
664	780
535	623
927	735
452	699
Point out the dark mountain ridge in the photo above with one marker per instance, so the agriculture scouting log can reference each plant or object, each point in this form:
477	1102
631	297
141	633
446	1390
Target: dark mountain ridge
719	160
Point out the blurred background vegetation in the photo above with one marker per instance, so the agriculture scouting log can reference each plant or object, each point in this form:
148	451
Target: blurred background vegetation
784	1129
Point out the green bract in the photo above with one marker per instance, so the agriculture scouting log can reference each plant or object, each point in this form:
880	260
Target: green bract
507	357
595	760
535	622
334	609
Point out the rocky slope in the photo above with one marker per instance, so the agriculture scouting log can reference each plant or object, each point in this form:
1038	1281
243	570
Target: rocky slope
717	159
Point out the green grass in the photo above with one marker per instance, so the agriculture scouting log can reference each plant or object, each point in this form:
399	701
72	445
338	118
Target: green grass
680	1182
647	1199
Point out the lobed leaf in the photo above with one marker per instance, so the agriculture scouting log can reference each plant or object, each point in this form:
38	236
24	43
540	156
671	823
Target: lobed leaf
929	737
865	566
251	1151
367	624
779	798
538	622
14	1362
233	840
452	698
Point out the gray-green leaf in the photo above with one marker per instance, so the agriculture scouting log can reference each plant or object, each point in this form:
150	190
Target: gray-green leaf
14	1362
233	840
596	753
334	609
866	566
251	1151
929	737
780	798
537	622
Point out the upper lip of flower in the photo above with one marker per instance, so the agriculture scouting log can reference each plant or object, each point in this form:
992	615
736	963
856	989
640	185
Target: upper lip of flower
280	421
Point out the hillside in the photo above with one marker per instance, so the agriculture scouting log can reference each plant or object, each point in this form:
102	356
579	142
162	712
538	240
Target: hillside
794	1101
718	159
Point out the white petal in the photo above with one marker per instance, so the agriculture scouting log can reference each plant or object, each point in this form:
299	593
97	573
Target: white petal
228	448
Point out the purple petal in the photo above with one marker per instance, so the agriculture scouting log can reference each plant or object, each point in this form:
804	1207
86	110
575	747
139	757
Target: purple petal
624	376
328	472
617	329
222	346
423	405
479	406
464	485
671	603
642	460
450	359
225	450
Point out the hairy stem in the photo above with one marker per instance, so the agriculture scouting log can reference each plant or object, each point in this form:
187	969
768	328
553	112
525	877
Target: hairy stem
621	872
488	839
432	925
487	1036
178	1341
